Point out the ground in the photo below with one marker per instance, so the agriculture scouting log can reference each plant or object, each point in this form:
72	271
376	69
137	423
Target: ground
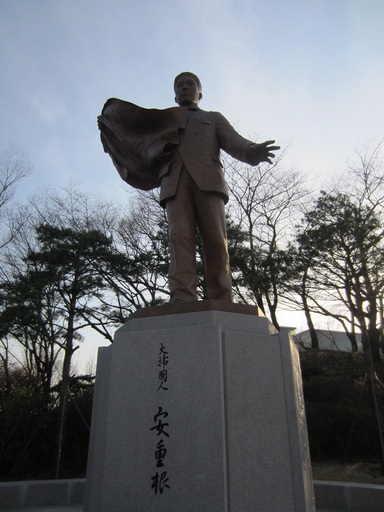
361	472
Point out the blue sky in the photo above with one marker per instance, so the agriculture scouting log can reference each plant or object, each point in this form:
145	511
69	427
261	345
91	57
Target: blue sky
308	73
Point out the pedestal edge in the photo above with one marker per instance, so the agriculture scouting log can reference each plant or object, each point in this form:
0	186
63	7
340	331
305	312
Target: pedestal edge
196	306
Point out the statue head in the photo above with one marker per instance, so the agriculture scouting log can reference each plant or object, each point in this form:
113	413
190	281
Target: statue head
187	88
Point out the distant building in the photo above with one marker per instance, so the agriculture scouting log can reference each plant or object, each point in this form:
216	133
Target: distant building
328	340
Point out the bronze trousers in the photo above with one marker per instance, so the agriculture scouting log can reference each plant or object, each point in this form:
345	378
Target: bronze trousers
188	209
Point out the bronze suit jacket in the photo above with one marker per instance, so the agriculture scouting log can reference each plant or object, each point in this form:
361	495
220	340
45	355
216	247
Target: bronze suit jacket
205	134
149	147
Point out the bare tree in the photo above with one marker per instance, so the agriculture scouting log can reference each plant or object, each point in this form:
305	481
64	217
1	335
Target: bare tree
141	235
340	247
14	166
265	204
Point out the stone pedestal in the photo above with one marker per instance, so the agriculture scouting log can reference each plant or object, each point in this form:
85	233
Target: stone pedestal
199	412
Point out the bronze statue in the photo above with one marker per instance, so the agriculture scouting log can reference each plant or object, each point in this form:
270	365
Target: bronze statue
178	149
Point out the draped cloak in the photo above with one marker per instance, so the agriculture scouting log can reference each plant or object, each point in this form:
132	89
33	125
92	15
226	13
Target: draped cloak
140	141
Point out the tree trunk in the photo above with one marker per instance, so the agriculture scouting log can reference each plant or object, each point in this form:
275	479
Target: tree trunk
307	312
65	391
374	341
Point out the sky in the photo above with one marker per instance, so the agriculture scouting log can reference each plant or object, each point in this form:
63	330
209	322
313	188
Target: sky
307	73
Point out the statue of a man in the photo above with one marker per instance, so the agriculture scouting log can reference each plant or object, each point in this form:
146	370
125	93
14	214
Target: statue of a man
180	151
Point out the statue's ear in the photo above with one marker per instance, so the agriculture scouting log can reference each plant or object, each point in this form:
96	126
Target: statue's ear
200	95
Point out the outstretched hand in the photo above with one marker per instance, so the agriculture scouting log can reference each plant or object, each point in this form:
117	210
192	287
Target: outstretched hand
264	152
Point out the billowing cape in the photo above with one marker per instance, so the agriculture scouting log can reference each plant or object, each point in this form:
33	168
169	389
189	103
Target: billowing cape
140	141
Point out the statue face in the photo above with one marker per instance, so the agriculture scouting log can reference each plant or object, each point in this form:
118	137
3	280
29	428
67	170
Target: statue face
187	91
